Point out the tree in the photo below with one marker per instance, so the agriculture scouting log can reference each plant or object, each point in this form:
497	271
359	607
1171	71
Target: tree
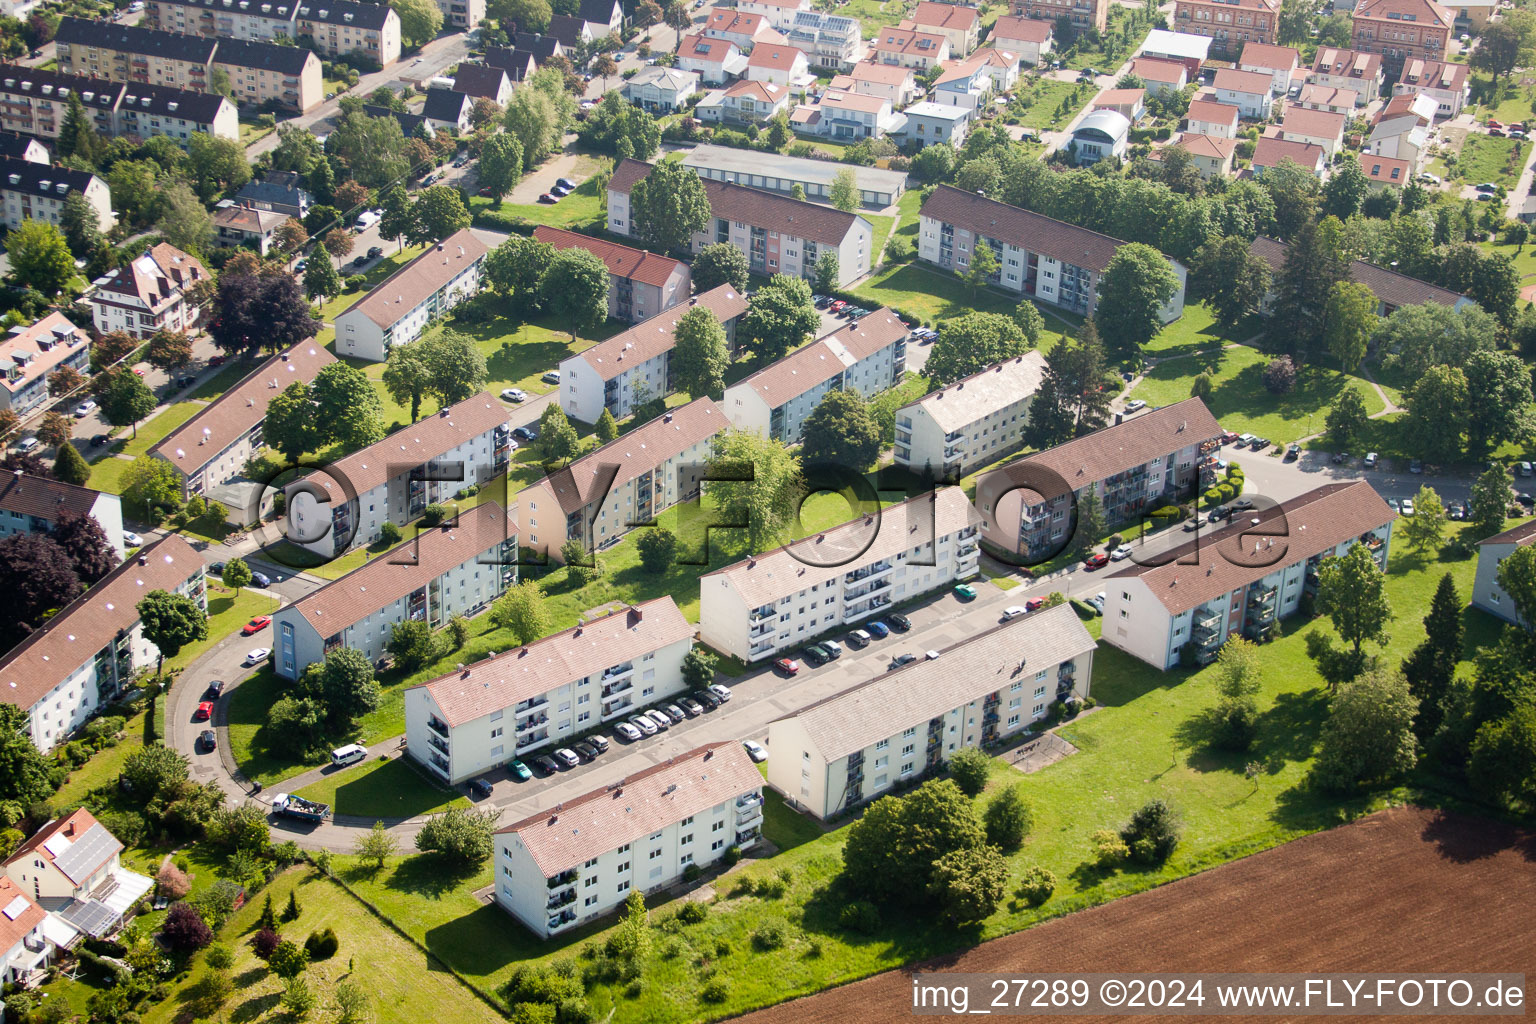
1280	376
576	289
372	148
1414	338
168	350
521	612
1501	383
844	193
81	226
291	235
85	542
698	669
527	15
77	135
827	271
1351	591
112	348
348	686
1489	502
968	884
1072	399
717	264
1349	318
1345	190
1026	316
1092	524
24	772
607	427
557	438
701	355
64	380
1516	575
969	344
668	206
893	851
407	377
1008	820
375	846
501	164
152	770
459	834
841	432
516	268
70	466
1346	418
983	264
292	425
338	242
1302	288
398	213
170	622
456	366
411	644
55	429
150	483
1152	833
1135	286
172	883
125	398
1498	50
1202	387
184	930
969	768
288	960
767	492
1437	412
1368	738
438	212
779	317
321	281
349	410
658	548
40	256
677	17
260	311
182	219
1425	529
218	164
420	21
1238	666
604	67
1431	666
534	120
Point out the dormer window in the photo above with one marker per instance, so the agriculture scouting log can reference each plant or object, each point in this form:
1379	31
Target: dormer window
62	187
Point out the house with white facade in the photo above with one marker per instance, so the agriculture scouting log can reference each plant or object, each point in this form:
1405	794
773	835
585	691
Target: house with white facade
1325	97
641	284
895	727
775	172
1030	38
765	605
397	310
1486	592
23	147
625	371
548	693
898	85
28	355
1318	127
72	867
659	90
868	355
1281	63
482	81
346	503
35	504
963	83
1251	92
1241	578
1356	71
581	859
929	122
1402	137
846	115
1445	83
1101	135
458	568
599	498
1207	117
1038	257
239	225
27	943
36	100
1211	154
447	108
779	13
715	61
1130	104
1187	48
88	653
743	102
31	191
743	29
958	23
909	48
970	423
784	66
832	42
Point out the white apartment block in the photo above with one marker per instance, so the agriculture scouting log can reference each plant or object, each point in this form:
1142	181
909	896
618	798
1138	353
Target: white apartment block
332	28
1486	592
624	372
777	173
765	605
831	41
31	504
602	496
74	866
35	100
1243	578
30	191
778	13
401	306
547	694
853	747
29	354
867	355
462	15
970	423
458	568
148	294
346	503
88	653
581	860
641	284
1251	92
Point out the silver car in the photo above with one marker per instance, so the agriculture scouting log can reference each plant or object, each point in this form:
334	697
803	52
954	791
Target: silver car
660	718
644	724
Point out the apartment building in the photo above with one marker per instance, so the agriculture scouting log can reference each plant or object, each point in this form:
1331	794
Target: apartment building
1281	63
29	354
929	123
970	423
1211	154
624	372
641	284
1392	290
1132	467
462	15
774	172
765	605
213	447
346	503
1229	25
1242	578
332	28
34	504
868	355
548	692
33	100
1358	71
581	860
458	568
148	294
1251	92
959	23
73	867
33	191
909	48
896	727
1207	117
831	42
397	310
1081	13
1048	260
1030	38
1486	592
896	85
1401	30
1445	83
263	73
602	496
1317	127
779	235
89	652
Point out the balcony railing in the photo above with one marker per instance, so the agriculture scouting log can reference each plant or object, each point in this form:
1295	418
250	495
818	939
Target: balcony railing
437	744
530	704
756	800
868	572
565	899
567	877
438	726
764	612
532	723
562	921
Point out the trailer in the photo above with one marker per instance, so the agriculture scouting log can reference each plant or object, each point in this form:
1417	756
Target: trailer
297	807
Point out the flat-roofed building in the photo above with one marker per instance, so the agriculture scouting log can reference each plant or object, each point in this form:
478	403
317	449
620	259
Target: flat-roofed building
29	354
1180	47
959	23
346	503
458	568
32	191
1241	578
397	310
897	726
1081	13
774	172
35	504
970	423
547	693
641	284
929	123
1443	82
1229	24
832	42
868	355
1045	259
602	496
581	860
91	650
613	375
1486	592
767	604
1357	71
148	294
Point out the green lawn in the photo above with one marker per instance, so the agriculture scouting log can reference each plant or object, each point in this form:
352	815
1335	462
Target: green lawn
1523	257
382	789
929	293
1196	331
1485	158
583	208
1517	105
874	15
152	431
103	767
229	375
381	270
1045	103
107	475
227	611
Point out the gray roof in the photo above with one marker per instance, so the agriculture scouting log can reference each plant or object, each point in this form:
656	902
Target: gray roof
407	121
86	855
740	161
43	84
336	12
17	175
982	394
272	192
243	53
106	35
666	78
541	46
1111	122
164	101
445	105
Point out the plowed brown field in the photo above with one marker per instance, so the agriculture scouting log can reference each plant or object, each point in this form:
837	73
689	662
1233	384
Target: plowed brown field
1403	890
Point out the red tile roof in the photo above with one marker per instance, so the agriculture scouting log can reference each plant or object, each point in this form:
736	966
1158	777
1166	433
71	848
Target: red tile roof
1211	112
1419	13
1150	69
1250	82
1316	123
945	15
714	51
1386	170
28	915
622	260
1029	30
1347	63
1433	74
42	496
72	828
1270	151
1265	55
1035	231
650	338
407	287
774	57
1131	443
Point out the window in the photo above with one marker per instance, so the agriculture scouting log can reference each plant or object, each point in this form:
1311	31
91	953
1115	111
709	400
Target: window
717	826
685	840
654	854
622	886
882	744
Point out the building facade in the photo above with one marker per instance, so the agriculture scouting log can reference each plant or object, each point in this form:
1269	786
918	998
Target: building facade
641	284
148	294
1402	30
1251	92
33	100
72	866
1030	38
29	354
1358	71
1228	25
660	90
1081	13
909	48
970	423
831	42
334	28
1445	83
33	504
32	191
397	310
773	172
959	23
1486	592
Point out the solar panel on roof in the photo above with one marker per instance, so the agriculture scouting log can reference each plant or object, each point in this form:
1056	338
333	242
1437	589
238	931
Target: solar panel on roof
16	907
87	853
89	916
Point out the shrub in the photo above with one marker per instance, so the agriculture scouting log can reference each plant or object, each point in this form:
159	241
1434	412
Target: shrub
434	515
770	888
1152	833
1234	723
732	855
172	883
355	282
692	873
264	942
714	991
322	945
860	916
184	930
1280	376
389	533
1036	886
692	912
1109	850
288	960
1008	820
898	250
968	767
770	935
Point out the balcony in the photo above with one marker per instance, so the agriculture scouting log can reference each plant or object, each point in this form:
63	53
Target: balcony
749	800
564	899
532	723
1262	597
761	629
868	572
562	921
615	689
877	587
746	837
567	877
530	704
864	608
437	744
750	818
438	726
440	763
619	671
967	550
766	611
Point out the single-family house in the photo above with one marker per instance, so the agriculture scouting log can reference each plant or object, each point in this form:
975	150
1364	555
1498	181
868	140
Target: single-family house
745	30
890	82
910	48
518	64
1271	149
1251	92
1211	154
72	867
783	66
1357	71
1442	81
659	90
929	122
1281	63
238	225
744	101
715	61
1384	170
1031	39
832	42
1207	117
1100	135
1130	104
448	109
1326	97
27	942
1318	127
779	13
278	192
959	23
963	83
483	82
847	115
1163	78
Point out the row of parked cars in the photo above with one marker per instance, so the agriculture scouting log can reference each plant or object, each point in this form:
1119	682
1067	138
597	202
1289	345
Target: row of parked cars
665	716
830	650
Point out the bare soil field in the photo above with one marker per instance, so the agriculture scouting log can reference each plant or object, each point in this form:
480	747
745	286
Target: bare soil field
1403	890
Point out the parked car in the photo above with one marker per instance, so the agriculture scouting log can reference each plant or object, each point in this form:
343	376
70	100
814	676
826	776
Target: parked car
1260	443
858	639
1455	511
1524	469
899	622
132	539
1120	553
709	700
833	648
98	440
675	713
598	742
965	591
721	692
693	707
1034	604
1135	405
1370	460
1416	466
1293	452
514	394
1241	505
546	764
207	740
257	655
520	771
1394	504
663	723
549	197
755	751
551	377
567	757
814	655
528	433
644	724
1097	560
821	301
627	731
84	408
1525	499
1339	458
214	689
480	789
1486	186
556	190
585	750
374	252
256	625
1013	611
900	660
878	629
261	579
204	711
1097	602
430	179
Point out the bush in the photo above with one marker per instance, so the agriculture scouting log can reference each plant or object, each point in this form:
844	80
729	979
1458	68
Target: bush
968	767
860	916
714	991
770	888
1280	376
355	282
1008	820
322	945
732	855
389	533
434	515
692	873
1152	833
1234	723
1109	850
898	250
184	930
1036	886
770	935
692	912
172	883
264	942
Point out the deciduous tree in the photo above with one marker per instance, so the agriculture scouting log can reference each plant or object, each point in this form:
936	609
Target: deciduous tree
970	343
1437	413
700	356
170	622
1349	318
292	425
668	206
1368	738
1351	591
717	264
521	612
40	256
501	164
841	432
756	481
576	289
420	21
779	317
1133	289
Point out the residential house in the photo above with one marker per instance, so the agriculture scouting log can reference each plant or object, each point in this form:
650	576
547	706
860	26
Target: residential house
458	568
1271	149
1402	135
783	66
278	192
29	354
27	945
1002	66
1444	83
1082	14
1188	49
1030	38
910	48
547	692
779	13
518	64
745	30
641	284
604	17
868	355
1486	592
397	310
622	373
34	100
1130	104
32	191
715	61
447	109
1132	467
846	115
832	42
1281	63
929	122
92	649
34	504
350	29
483	82
744	102
1318	127
1207	117
1358	71
411	125
971	423
344	505
1384	170
337	28
1043	259
1401	30
963	83
542	47
212	448
1326	97
775	172
1101	135
1211	154
148	294
72	867
1164	78
599	498
262	73
1251	92
959	23
571	31
1242	578
1392	290
681	814
890	82
765	605
238	225
462	15
895	727
659	90
1230	26
17	146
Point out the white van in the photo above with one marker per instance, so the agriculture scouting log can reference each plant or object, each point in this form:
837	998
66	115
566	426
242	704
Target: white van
27	444
350	754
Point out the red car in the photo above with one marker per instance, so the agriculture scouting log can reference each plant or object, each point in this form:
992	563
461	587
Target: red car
1096	561
838	306
204	711
1033	604
256	625
216	361
787	665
